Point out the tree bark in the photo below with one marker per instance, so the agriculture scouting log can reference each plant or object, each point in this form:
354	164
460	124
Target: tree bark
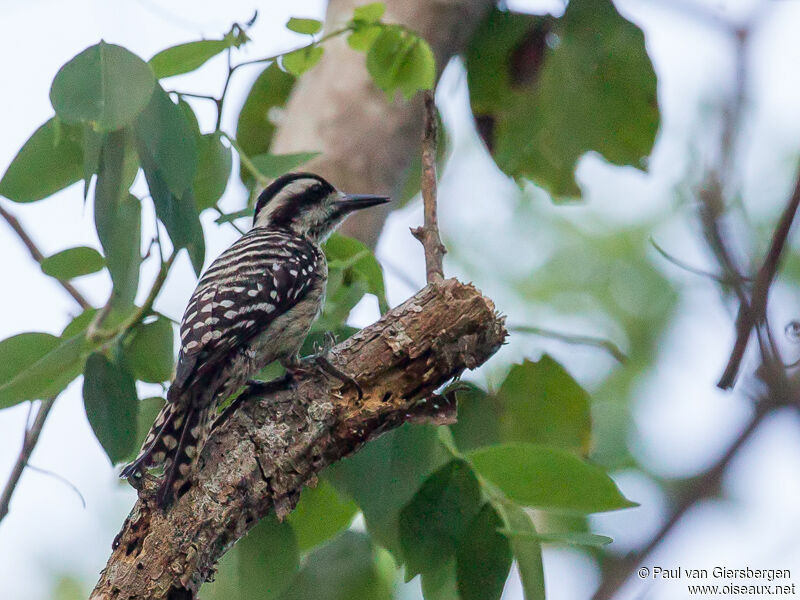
273	444
366	141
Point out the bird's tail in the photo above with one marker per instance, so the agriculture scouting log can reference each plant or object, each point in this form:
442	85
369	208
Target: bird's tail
174	441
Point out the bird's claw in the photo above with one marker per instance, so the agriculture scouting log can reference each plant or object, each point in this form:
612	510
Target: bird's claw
326	365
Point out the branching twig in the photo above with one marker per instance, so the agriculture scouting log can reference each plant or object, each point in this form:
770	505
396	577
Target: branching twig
28	444
39	257
428	234
755	312
681	264
99	335
569	338
232	68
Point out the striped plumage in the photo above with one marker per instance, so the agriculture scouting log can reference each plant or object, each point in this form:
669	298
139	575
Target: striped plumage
254	304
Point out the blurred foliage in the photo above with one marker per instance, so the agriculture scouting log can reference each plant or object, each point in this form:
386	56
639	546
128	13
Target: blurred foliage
545	91
453	504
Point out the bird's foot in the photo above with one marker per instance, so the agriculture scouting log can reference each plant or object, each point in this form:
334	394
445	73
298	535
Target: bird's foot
323	363
319	362
254	386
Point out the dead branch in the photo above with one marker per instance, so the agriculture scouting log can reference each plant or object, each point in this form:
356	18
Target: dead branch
428	234
273	445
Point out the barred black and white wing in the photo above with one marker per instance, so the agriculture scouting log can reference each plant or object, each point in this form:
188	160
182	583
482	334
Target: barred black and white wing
260	277
257	279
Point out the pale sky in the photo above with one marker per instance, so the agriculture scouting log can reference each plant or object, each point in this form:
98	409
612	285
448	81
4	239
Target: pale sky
682	421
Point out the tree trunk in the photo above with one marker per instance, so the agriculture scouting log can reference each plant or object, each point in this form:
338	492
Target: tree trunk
366	141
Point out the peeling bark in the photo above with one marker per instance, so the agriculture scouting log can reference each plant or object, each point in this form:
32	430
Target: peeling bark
274	444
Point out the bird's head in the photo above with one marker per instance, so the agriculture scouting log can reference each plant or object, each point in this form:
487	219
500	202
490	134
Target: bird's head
307	205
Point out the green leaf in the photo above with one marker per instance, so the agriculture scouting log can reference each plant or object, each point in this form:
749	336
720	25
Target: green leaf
307	26
190	118
268	559
117	218
436	519
543	404
80	323
483	559
572	538
105	85
256	127
344	569
356	262
362	38
164	134
478	418
239	214
48	374
340	299
480	566
548	478
417	69
49	161
398	462
168	153
73	262
187	57
301	60
19	352
440	583
369	13
213	171
148	351
526	547
400	60
319	515
109	397
275	165
92	143
541	106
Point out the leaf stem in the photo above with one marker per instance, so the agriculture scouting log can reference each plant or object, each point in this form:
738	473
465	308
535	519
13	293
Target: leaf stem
245	160
582	340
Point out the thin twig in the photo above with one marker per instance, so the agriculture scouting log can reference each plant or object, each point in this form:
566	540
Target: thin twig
220	102
39	257
62	479
245	160
140	313
218	210
689	268
755	312
428	234
28	444
569	338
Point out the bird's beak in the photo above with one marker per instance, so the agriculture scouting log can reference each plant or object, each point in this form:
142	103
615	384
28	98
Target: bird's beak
351	202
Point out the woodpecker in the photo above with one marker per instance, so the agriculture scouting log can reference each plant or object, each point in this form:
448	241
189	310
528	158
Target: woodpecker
253	305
